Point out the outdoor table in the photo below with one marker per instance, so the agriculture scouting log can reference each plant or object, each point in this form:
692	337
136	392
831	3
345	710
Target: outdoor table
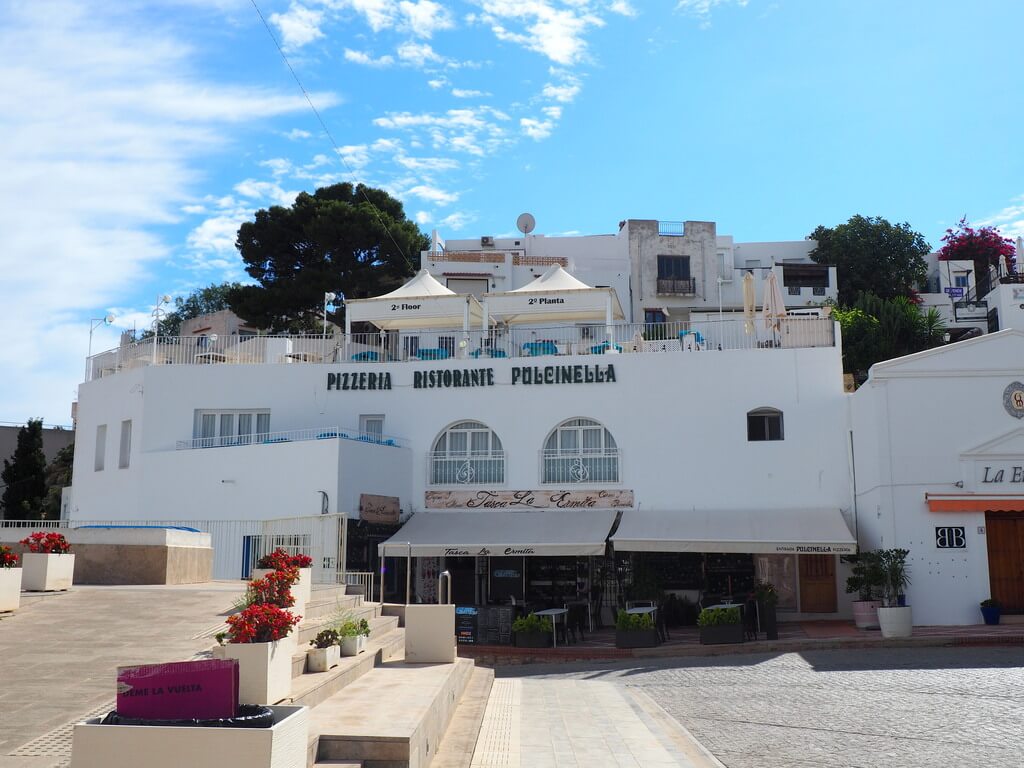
554	613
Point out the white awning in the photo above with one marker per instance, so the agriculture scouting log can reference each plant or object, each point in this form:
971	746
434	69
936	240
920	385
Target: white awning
499	533
555	296
421	303
762	531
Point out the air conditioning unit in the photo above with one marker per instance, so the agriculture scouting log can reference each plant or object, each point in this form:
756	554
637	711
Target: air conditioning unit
487	241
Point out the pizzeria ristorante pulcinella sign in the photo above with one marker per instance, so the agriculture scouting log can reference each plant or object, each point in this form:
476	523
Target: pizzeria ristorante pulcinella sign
463	378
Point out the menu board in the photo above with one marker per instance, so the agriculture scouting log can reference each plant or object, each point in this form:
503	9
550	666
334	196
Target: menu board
466	624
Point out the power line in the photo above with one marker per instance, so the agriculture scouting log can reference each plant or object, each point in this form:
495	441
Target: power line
327	131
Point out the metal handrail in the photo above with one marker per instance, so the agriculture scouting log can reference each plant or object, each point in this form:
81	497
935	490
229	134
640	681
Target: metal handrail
444	578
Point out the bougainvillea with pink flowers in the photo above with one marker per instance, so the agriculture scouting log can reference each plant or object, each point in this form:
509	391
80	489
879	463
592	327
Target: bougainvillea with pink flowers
984	244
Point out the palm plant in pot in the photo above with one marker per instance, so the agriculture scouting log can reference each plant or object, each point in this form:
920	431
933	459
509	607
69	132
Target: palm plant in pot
866	580
10	580
894	619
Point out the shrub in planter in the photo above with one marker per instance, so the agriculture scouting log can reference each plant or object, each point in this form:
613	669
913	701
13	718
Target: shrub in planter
894	617
273	589
264	662
326	652
635	630
767	599
301	565
48	565
991	610
10	580
720	625
867	580
353	633
532	631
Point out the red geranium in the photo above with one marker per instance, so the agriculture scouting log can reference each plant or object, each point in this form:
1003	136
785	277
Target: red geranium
7	558
261	624
274	589
280	560
47	543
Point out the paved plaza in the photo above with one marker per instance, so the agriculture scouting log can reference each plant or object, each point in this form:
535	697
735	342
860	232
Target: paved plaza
870	708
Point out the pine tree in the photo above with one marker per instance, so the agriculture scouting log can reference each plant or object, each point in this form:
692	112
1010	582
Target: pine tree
24	476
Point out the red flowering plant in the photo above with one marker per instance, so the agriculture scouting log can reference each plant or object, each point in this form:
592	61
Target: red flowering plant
7	558
280	560
47	543
273	589
261	624
983	245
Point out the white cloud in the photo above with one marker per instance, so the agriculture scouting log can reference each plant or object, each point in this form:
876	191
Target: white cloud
462	93
360	57
701	9
1009	221
457	220
193	209
432	194
438	82
623	8
107	129
379	14
299	26
557	33
536	129
297	133
265	190
418	54
555	113
564	93
425	17
355	155
423	217
429	164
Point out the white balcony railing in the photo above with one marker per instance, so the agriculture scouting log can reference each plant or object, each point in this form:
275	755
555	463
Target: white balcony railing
476	468
289	436
728	333
561	466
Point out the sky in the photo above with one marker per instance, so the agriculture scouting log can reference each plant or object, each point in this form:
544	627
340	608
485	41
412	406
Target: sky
135	137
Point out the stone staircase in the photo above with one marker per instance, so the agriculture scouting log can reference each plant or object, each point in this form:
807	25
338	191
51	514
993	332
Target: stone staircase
374	710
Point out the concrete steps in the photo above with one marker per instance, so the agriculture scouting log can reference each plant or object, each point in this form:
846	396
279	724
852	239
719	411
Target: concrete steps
379	627
311	688
394	716
459	743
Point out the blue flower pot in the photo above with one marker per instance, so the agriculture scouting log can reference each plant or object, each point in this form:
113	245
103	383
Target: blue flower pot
991	613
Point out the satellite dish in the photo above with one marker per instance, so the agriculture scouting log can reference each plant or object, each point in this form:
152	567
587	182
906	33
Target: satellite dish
525	223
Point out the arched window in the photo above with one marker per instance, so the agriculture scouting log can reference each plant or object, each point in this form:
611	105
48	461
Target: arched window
764	424
580	451
467	453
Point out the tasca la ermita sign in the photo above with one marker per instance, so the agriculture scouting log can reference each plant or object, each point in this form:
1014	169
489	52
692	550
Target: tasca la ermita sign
602	499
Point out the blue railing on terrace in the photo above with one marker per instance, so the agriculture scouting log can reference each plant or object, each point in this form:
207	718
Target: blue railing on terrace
729	333
290	436
671	228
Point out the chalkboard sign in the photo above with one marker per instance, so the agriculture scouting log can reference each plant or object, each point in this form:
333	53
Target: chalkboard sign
466	624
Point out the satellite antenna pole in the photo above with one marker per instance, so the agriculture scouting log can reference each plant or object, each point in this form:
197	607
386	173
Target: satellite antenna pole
525	224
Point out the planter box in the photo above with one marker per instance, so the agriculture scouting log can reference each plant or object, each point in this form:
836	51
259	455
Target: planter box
264	670
353	646
126	746
46	573
721	634
322	659
533	639
768	617
10	589
896	621
865	613
636	638
302	590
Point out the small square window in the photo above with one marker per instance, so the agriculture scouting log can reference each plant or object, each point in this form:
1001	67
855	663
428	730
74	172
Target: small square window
764	424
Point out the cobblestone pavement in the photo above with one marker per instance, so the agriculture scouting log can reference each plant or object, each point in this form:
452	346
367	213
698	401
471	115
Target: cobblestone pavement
904	708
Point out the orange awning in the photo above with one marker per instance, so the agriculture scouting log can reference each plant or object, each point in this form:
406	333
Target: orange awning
973	503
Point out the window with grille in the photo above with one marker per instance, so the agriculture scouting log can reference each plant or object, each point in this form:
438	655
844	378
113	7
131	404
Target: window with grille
580	451
467	453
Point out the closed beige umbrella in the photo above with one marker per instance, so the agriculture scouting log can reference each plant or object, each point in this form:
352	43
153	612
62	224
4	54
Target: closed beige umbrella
774	309
749	302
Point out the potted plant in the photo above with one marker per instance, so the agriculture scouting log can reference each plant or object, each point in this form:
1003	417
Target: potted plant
10	580
325	653
720	625
894	618
532	631
48	566
353	633
991	610
635	630
281	560
866	580
254	637
767	599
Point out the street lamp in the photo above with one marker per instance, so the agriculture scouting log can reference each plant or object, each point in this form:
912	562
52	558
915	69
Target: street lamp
94	323
328	298
158	312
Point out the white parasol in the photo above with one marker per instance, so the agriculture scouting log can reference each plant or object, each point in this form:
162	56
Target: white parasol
749	302
773	311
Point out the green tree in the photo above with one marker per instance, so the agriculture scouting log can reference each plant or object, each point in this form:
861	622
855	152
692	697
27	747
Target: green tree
24	476
202	301
354	241
872	256
58	476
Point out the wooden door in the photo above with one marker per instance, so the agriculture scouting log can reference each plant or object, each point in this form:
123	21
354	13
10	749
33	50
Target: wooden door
818	583
1005	534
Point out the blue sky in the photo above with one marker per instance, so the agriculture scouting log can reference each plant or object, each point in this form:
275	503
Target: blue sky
138	135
